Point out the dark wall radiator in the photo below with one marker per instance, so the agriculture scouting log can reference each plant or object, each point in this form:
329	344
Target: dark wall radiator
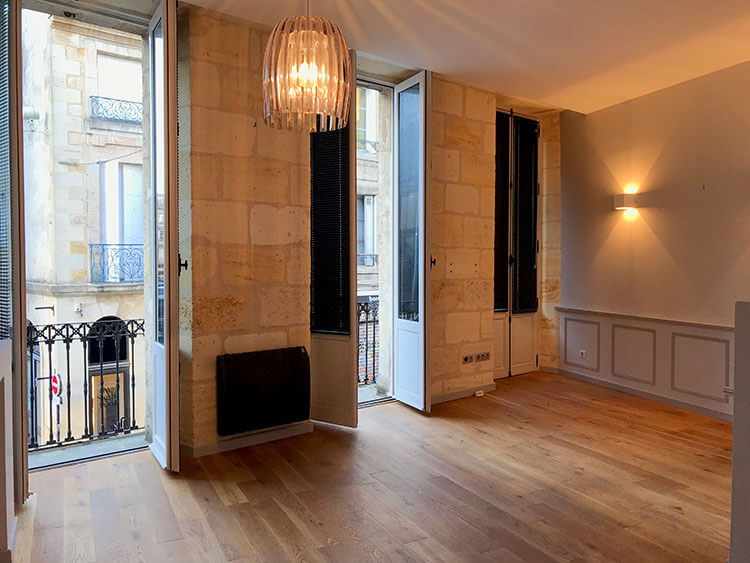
258	390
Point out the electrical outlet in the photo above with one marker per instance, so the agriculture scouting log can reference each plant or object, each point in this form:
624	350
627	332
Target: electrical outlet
483	357
582	354
467	358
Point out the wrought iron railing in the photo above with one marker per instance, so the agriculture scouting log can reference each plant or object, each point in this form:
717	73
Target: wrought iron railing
367	259
368	342
116	110
82	381
116	263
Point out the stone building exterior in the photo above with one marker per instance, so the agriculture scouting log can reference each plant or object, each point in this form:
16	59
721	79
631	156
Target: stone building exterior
86	205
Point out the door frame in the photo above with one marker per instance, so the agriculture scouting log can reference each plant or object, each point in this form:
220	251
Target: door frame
20	423
423	77
167	13
508	314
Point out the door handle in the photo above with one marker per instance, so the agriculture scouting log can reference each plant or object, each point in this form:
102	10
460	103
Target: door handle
181	264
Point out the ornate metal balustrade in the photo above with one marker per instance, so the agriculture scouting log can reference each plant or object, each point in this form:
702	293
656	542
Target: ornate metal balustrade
116	263
94	369
116	110
367	343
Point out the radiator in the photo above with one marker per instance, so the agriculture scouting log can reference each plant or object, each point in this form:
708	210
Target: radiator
257	390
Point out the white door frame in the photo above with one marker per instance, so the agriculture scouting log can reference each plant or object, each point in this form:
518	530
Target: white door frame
167	449
419	397
531	361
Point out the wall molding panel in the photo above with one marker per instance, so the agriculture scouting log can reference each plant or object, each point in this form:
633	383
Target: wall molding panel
689	364
578	339
629	357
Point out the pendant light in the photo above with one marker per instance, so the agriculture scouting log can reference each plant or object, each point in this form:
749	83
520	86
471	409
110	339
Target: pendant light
306	75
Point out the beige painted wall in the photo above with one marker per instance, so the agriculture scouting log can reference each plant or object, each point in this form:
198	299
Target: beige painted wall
249	208
686	256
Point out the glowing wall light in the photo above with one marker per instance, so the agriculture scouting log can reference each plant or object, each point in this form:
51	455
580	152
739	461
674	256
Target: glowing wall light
626	201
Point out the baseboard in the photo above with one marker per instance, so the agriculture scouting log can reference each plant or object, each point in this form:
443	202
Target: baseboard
462	394
248	439
549	369
646	395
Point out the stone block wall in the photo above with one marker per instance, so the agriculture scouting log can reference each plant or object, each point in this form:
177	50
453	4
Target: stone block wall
550	260
249	206
462	235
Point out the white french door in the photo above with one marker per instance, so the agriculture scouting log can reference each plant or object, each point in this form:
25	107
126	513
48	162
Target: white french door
163	61
409	384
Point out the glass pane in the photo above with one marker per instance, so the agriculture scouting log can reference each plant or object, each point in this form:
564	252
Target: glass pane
502	191
409	165
525	141
158	151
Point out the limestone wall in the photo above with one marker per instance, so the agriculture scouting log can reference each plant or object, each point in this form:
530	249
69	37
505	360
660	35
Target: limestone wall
462	234
249	205
551	218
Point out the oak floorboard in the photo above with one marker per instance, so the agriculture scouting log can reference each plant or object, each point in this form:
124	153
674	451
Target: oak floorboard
545	468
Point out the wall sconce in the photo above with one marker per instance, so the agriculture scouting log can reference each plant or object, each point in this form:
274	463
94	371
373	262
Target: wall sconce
626	201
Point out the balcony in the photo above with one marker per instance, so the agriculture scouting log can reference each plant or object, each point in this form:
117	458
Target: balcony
111	109
85	385
116	263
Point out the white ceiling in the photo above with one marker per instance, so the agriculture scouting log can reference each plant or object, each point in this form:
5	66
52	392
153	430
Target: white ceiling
576	54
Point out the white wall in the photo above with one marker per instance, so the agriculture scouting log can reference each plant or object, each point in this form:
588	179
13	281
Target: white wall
740	549
676	268
686	256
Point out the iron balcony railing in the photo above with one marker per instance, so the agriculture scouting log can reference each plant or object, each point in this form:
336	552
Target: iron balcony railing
82	380
111	109
368	340
116	263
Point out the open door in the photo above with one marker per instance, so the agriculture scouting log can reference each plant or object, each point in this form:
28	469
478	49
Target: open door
163	70
333	284
409	372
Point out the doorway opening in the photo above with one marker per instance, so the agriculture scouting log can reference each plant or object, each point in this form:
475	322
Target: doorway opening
90	220
374	209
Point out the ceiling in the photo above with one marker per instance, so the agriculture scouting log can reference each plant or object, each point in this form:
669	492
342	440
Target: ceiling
575	54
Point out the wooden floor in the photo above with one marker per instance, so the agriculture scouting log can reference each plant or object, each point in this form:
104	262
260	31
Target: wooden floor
543	469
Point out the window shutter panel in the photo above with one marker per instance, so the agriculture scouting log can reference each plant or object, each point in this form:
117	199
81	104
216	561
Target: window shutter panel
329	222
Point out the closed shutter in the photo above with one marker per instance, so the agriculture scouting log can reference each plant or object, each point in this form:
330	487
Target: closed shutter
329	216
5	189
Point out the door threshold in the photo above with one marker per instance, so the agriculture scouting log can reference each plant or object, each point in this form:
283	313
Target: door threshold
87	459
375	402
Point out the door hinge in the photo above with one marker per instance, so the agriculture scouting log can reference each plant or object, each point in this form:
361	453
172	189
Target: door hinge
538	188
537	360
432	261
537	246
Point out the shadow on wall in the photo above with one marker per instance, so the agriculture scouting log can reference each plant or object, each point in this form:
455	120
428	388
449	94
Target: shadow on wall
684	255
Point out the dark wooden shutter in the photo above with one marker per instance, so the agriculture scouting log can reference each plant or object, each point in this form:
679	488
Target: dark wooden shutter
329	216
525	186
502	187
5	187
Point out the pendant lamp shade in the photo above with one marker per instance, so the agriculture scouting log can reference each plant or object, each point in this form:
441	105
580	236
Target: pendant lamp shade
306	75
